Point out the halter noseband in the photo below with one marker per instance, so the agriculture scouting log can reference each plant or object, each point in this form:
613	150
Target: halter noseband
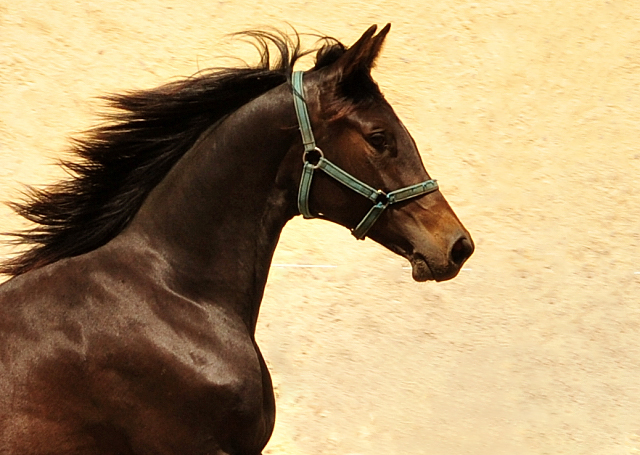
380	199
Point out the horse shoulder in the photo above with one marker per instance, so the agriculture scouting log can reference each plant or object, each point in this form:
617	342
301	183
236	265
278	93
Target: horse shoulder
79	330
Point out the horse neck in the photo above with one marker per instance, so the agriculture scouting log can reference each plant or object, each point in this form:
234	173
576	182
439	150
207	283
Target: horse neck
217	216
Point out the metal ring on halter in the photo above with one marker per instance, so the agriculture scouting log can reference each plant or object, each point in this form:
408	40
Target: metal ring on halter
383	199
305	156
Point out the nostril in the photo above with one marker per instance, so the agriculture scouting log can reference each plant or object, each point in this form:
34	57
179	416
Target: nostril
461	250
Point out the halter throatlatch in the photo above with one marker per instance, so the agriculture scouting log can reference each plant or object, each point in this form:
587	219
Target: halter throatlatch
313	159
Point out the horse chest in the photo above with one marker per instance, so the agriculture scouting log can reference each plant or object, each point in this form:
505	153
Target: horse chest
213	392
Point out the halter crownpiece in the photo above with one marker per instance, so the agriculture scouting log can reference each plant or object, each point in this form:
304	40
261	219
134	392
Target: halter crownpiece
380	199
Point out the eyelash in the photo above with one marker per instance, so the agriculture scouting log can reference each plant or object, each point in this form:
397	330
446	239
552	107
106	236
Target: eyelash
378	141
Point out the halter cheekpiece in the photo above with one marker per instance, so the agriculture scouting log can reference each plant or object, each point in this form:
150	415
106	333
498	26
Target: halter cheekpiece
313	159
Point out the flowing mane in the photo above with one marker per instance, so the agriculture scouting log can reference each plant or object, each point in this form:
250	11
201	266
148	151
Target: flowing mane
118	164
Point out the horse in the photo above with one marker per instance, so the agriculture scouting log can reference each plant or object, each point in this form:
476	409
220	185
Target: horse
127	326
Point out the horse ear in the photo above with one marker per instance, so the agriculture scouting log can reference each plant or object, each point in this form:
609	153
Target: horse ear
363	54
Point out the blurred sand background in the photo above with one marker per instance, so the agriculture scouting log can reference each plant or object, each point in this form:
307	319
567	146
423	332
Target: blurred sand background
528	114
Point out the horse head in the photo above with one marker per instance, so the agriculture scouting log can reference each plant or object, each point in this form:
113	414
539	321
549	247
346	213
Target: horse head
358	133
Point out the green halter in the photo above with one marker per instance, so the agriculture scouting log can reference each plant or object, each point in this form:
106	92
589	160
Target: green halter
380	199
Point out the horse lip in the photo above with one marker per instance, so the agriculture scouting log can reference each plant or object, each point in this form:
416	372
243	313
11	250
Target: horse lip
420	269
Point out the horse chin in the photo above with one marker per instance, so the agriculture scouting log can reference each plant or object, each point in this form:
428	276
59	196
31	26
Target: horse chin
420	270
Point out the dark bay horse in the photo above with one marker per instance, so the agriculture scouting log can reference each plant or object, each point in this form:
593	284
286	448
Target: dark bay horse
128	325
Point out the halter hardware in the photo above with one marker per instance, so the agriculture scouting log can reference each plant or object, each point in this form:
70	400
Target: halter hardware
380	199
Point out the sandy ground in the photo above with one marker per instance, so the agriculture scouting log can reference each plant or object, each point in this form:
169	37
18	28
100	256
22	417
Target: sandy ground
528	114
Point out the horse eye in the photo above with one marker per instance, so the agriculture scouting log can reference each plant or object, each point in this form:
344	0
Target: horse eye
378	141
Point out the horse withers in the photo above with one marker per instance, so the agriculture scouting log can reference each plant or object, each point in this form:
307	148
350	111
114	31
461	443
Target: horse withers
128	325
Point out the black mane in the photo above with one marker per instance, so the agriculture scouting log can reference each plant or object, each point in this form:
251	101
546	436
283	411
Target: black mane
149	131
